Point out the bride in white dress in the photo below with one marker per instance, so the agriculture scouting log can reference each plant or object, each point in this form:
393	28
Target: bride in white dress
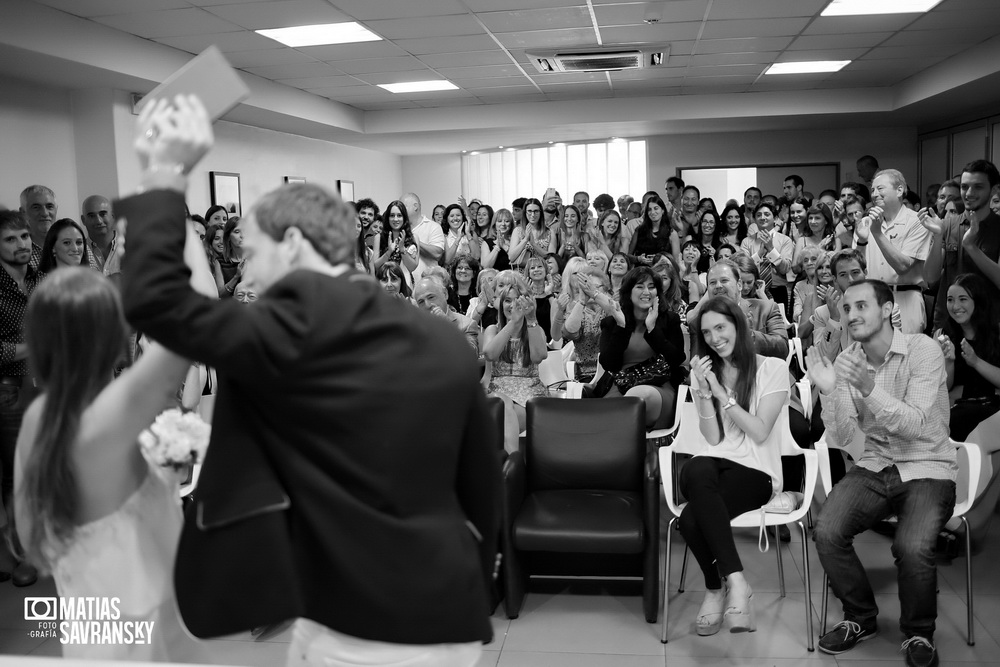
90	509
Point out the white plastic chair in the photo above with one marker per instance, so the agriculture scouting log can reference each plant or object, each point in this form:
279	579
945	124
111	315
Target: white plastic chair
689	440
795	352
969	466
662	433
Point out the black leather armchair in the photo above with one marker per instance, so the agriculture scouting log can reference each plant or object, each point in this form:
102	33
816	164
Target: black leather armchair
582	498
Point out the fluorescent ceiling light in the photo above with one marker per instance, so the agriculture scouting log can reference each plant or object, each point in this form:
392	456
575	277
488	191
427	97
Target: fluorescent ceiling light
866	7
807	67
316	35
418	86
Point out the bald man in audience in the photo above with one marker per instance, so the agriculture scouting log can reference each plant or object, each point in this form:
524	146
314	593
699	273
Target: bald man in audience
98	218
39	208
429	235
432	296
770	338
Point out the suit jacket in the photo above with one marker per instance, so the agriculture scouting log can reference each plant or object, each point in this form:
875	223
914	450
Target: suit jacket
771	336
351	450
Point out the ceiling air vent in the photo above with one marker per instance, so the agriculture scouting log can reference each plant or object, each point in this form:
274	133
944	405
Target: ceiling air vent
599	60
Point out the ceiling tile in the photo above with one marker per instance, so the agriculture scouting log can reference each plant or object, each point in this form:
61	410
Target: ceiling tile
169	23
821	54
91	8
741	44
345	92
385	106
661	32
726	70
766	85
400	77
966	5
536	19
295	70
649	74
741	9
936	49
228	42
729	58
943	20
334	52
437	95
467	59
579	95
708	81
368	65
546	39
648	92
504	91
281	14
483	71
633	13
263	57
517	99
569	77
480	83
972	34
867	78
457	102
319	81
848	25
773	27
855	40
420	47
431	26
325	91
370	10
897	64
505	5
210	3
731	89
651	86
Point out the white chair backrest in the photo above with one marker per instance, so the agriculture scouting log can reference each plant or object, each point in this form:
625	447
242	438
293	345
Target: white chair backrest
552	370
970	463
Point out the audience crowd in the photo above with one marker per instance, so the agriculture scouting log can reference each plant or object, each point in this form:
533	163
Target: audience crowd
890	299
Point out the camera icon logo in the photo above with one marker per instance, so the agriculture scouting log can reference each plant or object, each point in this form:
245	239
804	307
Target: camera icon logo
41	609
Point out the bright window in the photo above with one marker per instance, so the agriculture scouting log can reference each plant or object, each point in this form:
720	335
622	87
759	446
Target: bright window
499	177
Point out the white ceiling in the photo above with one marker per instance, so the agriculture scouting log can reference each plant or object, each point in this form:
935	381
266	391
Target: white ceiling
719	50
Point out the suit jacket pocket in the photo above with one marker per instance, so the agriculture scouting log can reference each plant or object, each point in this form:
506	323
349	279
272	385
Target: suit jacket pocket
253	500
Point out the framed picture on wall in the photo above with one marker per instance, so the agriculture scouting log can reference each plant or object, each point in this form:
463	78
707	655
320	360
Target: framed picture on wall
295	179
346	190
225	189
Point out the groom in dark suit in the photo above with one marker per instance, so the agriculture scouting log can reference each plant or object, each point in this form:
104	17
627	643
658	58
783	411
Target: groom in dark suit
352	480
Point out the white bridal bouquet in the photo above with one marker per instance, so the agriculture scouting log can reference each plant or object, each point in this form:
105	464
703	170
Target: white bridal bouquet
176	439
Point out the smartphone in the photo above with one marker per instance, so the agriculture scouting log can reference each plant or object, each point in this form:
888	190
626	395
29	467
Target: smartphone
209	76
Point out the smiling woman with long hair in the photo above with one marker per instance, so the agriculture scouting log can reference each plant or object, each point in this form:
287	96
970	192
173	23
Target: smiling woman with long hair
65	246
739	396
396	243
90	509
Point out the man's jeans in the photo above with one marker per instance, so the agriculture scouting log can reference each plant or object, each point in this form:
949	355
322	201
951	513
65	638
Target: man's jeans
858	502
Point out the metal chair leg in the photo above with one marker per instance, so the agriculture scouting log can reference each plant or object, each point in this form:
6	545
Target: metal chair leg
808	579
684	568
666	582
968	578
826	599
781	568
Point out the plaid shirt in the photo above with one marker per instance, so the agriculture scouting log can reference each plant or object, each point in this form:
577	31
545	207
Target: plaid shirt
905	418
13	303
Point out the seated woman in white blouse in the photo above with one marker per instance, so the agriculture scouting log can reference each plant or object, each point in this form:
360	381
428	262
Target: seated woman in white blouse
739	396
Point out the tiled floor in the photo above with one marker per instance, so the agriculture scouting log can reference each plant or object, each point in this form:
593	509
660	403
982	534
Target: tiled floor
591	624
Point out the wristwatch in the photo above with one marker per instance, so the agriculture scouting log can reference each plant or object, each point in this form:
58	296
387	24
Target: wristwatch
730	403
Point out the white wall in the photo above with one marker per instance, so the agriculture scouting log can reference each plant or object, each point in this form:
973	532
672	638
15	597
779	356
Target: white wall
436	179
893	147
37	144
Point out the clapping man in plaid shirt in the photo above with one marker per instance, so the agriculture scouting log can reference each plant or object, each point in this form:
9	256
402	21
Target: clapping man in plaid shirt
892	386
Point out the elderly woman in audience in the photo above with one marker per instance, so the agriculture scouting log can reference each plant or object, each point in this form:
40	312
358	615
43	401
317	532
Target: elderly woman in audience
585	301
533	239
733	228
392	277
396	243
231	265
642	347
459	239
654	235
515	345
808	295
464	271
969	341
617	268
598	260
572	235
739	396
607	234
64	246
495	244
818	232
216	215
